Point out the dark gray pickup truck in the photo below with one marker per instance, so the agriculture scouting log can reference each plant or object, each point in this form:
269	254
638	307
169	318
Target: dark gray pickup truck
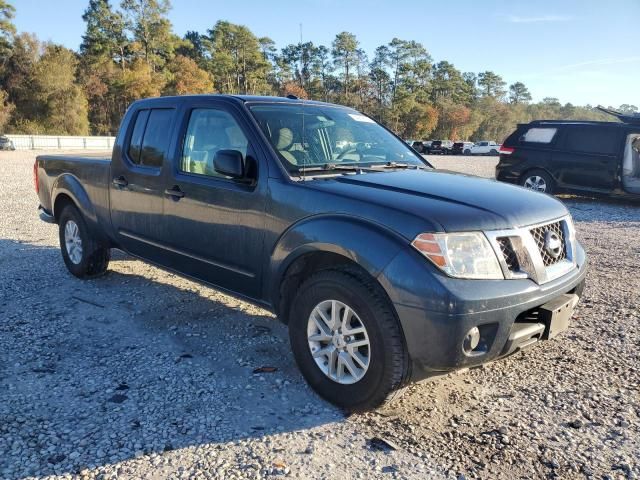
385	270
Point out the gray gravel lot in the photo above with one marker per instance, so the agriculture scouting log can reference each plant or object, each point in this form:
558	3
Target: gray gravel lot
143	374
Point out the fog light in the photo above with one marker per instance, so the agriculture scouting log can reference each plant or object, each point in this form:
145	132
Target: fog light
471	340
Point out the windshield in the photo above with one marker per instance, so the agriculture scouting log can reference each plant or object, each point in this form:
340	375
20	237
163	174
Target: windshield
307	136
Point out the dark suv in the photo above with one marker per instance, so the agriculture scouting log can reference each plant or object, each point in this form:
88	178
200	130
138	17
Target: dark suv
556	156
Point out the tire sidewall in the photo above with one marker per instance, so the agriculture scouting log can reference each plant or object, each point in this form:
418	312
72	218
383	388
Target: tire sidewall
353	294
71	213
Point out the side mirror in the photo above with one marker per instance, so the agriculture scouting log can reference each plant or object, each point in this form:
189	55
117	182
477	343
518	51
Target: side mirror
229	163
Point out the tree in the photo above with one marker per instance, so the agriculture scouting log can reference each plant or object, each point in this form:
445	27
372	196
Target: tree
626	108
7	28
448	83
519	93
63	103
491	85
187	77
105	35
151	29
237	62
344	51
6	109
193	47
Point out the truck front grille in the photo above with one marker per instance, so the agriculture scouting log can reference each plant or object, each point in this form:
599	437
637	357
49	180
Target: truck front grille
541	252
539	235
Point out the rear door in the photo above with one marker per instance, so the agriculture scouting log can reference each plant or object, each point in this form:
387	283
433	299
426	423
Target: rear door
588	156
216	224
137	184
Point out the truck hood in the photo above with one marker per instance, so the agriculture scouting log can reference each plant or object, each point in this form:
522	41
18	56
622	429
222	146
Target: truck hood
448	201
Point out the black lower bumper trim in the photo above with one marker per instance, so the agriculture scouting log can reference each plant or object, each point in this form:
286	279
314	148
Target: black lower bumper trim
45	216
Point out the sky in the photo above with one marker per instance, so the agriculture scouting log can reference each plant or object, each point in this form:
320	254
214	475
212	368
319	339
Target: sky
579	51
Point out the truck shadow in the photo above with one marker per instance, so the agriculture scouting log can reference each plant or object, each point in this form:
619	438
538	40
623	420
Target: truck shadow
134	363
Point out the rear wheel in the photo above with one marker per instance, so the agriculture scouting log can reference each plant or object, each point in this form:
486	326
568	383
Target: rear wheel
467	152
493	151
347	341
538	180
83	255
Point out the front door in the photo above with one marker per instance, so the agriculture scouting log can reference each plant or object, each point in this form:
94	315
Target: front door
588	157
137	185
215	223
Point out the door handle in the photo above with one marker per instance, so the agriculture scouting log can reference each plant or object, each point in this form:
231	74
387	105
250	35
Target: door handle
174	192
120	181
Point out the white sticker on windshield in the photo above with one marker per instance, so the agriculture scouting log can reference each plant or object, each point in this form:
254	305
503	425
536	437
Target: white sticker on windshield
361	118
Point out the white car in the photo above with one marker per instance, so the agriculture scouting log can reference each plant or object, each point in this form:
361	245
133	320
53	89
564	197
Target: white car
485	148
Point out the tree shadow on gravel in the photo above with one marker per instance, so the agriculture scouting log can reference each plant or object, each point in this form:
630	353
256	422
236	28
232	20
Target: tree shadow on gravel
97	372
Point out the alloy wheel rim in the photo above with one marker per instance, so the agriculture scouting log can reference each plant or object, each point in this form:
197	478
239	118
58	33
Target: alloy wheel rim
73	242
338	342
535	182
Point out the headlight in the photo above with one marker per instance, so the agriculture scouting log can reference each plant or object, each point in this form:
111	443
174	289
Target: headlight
461	255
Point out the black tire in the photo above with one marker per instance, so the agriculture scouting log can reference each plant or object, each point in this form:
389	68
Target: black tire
388	369
94	258
467	152
493	151
548	180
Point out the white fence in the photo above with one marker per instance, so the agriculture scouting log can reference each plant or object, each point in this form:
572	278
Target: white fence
53	142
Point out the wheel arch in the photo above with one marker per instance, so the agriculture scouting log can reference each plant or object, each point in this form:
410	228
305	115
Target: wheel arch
325	242
67	190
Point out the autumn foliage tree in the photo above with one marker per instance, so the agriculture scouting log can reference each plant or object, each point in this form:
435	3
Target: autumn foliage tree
130	51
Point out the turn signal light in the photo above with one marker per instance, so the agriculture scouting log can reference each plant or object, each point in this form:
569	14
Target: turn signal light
427	244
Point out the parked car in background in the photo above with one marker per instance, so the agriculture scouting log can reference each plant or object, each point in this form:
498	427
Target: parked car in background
555	156
421	146
484	148
462	148
6	143
440	147
385	270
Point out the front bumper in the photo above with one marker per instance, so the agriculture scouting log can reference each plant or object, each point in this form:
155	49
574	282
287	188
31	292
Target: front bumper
436	315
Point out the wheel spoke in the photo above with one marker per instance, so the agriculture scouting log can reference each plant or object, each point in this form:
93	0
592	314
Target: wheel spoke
356	344
359	358
321	322
320	337
347	361
324	352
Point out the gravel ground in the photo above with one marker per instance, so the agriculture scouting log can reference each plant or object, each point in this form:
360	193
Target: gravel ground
143	374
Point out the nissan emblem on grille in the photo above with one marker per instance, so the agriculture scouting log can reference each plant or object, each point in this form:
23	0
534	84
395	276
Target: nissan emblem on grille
552	244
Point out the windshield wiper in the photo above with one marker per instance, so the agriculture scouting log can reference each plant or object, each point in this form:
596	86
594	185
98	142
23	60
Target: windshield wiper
376	167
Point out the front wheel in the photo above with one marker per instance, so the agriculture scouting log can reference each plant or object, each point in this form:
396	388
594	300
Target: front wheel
538	180
83	255
347	341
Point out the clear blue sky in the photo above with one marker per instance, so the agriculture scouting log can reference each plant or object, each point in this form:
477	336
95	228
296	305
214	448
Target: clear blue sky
578	51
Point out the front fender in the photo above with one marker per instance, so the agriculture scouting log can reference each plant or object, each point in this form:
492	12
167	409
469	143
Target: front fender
370	245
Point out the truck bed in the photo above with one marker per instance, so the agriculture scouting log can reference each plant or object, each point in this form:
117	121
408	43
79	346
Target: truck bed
89	172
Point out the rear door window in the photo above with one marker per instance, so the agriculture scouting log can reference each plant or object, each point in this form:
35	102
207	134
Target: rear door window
596	140
150	137
156	138
135	144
